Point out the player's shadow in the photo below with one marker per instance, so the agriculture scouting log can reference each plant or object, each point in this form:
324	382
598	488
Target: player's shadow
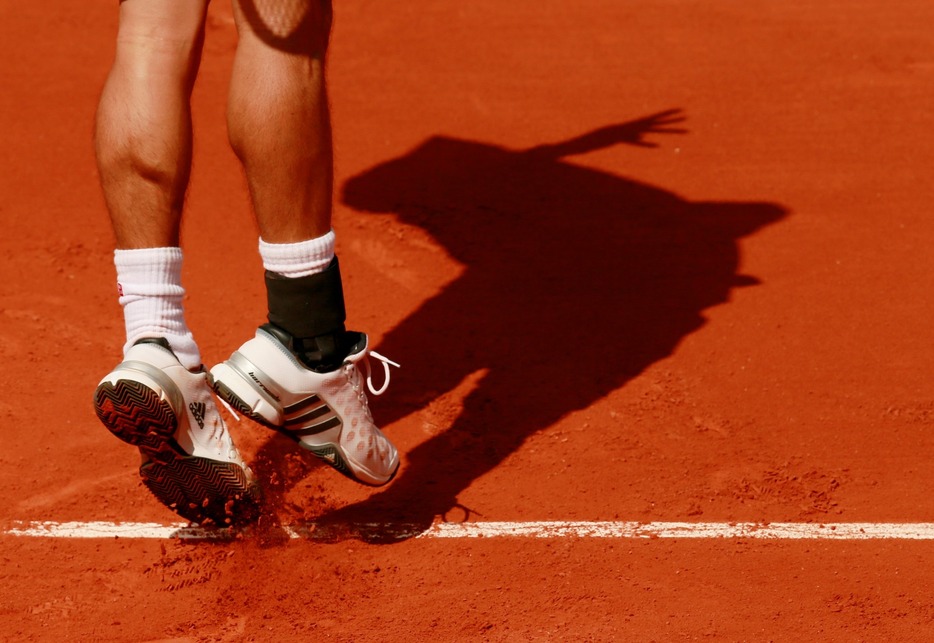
575	280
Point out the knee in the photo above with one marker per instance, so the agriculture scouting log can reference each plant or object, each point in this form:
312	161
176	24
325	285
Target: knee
292	26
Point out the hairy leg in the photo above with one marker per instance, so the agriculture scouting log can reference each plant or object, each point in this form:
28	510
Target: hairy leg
143	134
278	119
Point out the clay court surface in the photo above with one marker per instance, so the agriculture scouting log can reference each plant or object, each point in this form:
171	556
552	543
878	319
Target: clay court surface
598	319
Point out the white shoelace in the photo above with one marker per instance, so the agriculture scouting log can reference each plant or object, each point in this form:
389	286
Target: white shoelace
353	375
386	362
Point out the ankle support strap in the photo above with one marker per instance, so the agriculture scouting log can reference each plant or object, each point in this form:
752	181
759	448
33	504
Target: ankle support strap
307	306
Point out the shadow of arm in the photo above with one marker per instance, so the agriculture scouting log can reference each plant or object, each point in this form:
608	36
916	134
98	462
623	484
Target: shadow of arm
630	133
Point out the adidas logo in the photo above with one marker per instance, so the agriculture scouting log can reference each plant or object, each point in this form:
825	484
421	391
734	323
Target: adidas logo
330	457
197	410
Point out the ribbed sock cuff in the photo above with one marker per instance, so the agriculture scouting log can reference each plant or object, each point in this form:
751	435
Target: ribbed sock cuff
150	290
299	259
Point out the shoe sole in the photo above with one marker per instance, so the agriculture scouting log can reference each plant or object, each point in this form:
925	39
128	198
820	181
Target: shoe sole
198	489
331	454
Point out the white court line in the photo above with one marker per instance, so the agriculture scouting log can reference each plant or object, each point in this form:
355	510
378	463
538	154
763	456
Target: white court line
388	532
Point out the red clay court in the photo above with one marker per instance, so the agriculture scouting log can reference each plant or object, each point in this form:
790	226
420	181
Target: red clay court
651	268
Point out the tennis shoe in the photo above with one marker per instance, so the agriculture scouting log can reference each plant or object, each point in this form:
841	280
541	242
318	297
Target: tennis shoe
326	413
189	460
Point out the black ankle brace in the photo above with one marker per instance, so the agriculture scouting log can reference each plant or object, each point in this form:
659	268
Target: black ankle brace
311	310
307	306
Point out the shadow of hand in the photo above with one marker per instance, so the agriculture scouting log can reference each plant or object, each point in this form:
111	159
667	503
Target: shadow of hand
630	133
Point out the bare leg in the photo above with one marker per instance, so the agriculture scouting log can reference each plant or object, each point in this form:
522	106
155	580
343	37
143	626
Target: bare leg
159	398
279	126
143	143
143	134
278	118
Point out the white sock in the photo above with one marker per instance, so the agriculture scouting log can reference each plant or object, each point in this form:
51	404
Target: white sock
298	259
149	281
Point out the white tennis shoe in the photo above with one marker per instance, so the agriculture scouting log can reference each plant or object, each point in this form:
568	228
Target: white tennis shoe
326	413
189	460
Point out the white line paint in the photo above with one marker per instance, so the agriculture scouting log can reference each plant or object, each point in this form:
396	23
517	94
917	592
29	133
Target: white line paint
388	532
